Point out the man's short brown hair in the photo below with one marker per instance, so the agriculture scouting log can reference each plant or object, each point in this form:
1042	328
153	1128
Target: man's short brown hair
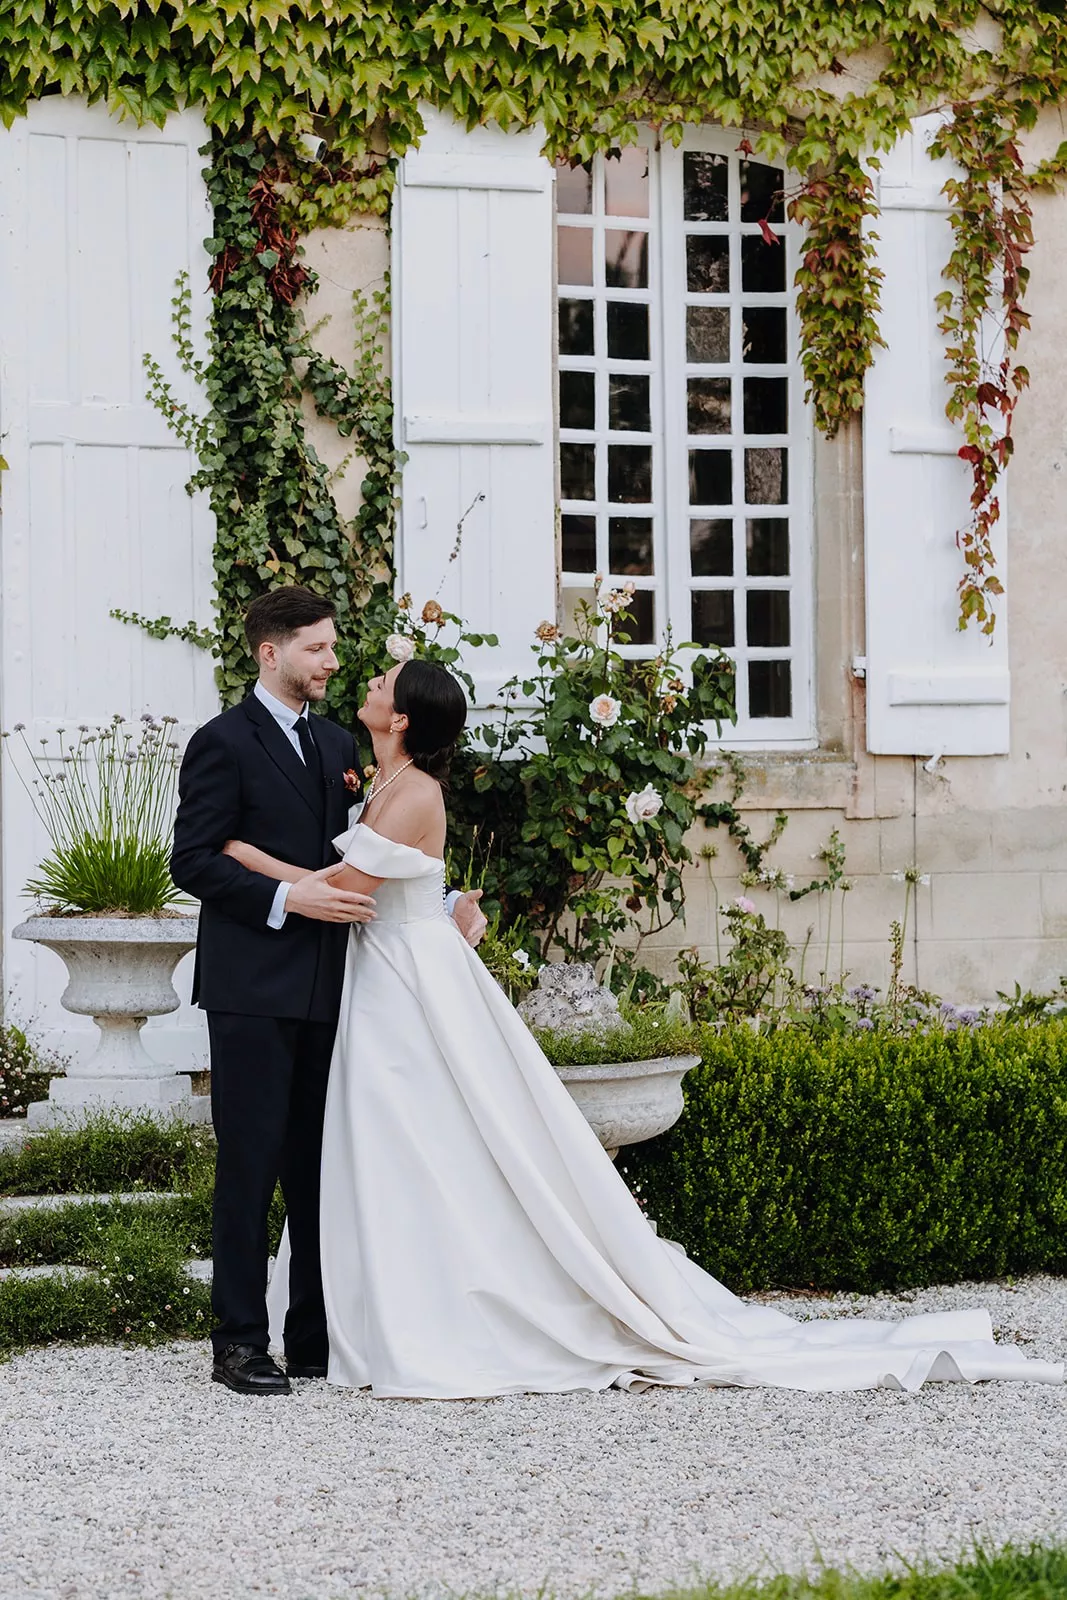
280	613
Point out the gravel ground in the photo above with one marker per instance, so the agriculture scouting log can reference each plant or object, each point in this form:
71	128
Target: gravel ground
126	1474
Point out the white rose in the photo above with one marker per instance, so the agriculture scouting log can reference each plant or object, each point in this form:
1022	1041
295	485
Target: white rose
400	647
605	711
644	806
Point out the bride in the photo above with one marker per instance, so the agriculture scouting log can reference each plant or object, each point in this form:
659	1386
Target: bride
476	1239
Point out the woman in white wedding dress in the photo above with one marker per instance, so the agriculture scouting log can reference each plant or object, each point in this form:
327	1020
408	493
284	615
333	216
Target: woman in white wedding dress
476	1239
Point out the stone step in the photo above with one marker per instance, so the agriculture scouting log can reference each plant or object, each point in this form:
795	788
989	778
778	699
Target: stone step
194	1268
46	1271
12	1205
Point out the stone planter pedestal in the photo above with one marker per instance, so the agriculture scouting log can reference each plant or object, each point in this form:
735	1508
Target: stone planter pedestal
120	972
626	1102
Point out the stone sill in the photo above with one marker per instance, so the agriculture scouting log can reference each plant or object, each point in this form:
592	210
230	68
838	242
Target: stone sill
815	780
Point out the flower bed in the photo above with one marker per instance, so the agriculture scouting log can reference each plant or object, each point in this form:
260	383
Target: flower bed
867	1161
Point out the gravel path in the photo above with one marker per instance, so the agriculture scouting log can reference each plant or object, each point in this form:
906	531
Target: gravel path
126	1474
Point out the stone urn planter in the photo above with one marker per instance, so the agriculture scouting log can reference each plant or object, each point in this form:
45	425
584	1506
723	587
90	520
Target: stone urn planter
120	972
624	1102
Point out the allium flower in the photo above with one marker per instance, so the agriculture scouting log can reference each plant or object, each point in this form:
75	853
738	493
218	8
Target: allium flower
866	1023
547	632
743	903
432	612
400	647
605	711
643	806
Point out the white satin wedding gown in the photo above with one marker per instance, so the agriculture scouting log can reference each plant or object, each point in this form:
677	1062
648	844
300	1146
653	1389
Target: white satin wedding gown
476	1240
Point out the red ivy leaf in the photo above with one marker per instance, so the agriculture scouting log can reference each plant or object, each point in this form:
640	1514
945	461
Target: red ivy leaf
769	235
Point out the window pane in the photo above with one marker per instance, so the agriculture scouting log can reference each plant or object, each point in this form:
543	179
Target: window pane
577	471
628	403
713	617
576	327
770	690
763	334
766	477
767	547
711	547
625	259
574	188
575	254
626	182
572	599
705	186
707	333
762	265
768	617
629	472
579	543
708	405
630	547
707	264
710	478
640	626
627	331
761	192
766	405
577	400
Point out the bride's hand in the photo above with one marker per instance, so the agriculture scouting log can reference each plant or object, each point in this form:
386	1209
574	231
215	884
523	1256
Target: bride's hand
235	848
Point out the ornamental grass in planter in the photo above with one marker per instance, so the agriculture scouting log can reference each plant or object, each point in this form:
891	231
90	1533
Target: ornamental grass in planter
108	905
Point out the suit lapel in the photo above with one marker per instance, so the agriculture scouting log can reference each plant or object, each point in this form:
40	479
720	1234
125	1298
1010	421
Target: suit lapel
285	758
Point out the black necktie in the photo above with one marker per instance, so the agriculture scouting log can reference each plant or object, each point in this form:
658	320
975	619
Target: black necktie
308	748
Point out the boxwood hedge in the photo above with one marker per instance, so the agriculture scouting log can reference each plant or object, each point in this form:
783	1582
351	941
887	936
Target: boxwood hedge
867	1161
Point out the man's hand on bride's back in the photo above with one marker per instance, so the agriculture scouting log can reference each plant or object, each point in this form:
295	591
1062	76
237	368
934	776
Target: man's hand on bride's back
469	917
316	896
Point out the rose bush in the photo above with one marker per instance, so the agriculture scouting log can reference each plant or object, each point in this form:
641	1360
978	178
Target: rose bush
572	808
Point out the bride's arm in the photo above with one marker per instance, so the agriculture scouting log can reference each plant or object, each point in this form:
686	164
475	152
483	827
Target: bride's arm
341	877
259	861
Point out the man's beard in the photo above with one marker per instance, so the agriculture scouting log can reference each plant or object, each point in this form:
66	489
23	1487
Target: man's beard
301	688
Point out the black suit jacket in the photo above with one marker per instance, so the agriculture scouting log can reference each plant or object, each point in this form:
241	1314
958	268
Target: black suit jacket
242	779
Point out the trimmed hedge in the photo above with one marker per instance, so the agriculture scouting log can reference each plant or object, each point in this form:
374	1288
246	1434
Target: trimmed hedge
867	1161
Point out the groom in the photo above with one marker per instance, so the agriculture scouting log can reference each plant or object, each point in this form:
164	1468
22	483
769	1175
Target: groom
270	963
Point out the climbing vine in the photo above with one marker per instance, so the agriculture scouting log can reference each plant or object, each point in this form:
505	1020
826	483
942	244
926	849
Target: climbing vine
819	85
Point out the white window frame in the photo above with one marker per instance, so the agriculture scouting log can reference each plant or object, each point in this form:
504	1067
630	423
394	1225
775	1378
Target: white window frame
668	298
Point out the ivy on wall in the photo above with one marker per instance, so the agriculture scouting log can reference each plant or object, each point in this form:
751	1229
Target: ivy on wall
819	84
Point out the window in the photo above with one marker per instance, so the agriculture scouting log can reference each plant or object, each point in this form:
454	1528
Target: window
683	437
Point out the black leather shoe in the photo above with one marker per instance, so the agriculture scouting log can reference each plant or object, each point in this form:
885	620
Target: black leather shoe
248	1370
304	1369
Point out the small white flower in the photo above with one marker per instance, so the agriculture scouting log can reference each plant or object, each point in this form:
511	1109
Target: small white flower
400	647
521	959
643	806
924	878
605	711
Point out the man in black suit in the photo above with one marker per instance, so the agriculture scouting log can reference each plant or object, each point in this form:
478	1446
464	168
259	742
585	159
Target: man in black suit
269	968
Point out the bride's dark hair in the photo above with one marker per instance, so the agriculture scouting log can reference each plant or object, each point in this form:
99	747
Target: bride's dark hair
436	709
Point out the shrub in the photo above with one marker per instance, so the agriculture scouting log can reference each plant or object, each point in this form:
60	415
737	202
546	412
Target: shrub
24	1075
867	1161
111	1152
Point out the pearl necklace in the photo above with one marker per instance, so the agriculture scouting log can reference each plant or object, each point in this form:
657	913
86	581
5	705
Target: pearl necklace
376	789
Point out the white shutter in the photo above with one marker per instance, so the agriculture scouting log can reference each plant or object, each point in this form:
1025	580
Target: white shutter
97	218
930	688
473	353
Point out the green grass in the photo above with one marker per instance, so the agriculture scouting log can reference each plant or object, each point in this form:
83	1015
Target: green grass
647	1037
108	1154
1035	1572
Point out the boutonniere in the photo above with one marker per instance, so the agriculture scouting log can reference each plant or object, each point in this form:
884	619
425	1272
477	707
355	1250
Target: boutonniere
353	781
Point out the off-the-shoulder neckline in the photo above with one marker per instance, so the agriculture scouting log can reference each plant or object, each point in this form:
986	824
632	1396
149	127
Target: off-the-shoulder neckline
437	860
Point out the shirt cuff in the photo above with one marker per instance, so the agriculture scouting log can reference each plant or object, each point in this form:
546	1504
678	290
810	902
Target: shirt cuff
452	899
277	910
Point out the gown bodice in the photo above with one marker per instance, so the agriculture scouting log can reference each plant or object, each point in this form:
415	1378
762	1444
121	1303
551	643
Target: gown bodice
414	887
